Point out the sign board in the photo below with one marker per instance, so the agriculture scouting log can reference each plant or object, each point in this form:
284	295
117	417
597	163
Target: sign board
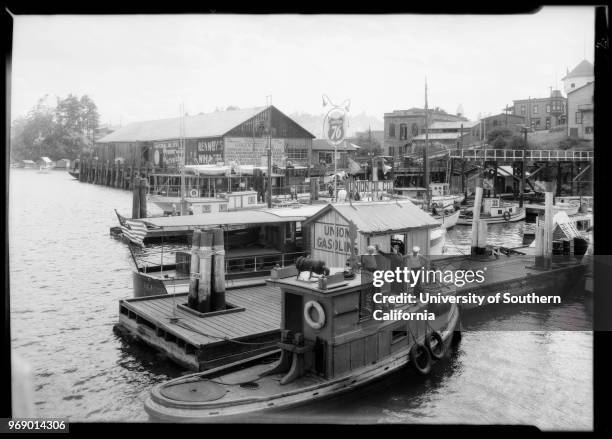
335	123
333	238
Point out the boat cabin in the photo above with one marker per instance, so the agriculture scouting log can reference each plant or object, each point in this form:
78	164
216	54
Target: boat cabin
495	207
339	333
382	223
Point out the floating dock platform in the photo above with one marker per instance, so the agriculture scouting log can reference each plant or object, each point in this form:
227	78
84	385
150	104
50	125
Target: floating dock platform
250	326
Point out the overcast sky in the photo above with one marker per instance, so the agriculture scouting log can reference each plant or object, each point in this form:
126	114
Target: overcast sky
138	67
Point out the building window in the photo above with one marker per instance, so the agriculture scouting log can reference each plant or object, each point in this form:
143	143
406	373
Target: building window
391	150
588	130
535	109
537	123
297	154
548	123
573	85
403	134
522	109
578	117
391	130
415	130
548	108
326	157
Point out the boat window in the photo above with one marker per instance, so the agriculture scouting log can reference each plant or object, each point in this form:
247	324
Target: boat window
205	208
251	200
366	302
222	207
499	211
398	335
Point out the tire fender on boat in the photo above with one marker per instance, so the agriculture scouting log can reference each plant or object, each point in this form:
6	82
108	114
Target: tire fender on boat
420	358
320	321
436	352
507	216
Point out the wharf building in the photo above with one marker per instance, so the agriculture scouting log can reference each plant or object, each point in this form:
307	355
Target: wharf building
237	139
580	111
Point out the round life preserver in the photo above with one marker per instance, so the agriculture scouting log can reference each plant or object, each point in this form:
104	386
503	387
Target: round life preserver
437	351
420	358
507	216
194	193
320	321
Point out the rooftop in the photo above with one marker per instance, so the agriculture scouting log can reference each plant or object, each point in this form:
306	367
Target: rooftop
323	145
467	124
381	217
584	68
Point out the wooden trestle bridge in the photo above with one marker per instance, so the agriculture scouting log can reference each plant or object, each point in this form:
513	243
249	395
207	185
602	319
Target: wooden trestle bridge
570	169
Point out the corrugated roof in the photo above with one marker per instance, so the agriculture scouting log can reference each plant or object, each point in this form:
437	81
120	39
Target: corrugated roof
438	136
201	125
585	68
323	145
305	211
453	125
222	218
382	217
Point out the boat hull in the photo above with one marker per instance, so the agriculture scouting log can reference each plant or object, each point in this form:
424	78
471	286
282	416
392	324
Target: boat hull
449	221
518	216
162	408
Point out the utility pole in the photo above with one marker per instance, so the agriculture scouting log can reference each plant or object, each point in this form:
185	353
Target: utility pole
269	191
522	189
425	156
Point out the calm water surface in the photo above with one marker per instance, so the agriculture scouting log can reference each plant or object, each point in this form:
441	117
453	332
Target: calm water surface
67	275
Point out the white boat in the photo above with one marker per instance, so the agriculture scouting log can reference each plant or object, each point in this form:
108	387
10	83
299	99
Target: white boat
437	241
448	218
440	195
494	211
224	202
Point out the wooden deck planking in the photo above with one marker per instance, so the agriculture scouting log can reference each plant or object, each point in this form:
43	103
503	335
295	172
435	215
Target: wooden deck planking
261	315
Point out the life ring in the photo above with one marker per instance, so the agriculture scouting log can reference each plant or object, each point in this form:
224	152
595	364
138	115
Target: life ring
507	216
420	358
194	193
318	324
437	351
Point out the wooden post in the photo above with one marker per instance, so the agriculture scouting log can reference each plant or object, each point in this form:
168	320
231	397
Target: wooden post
476	218
463	186
194	270
136	199
143	191
217	301
482	237
548	225
204	283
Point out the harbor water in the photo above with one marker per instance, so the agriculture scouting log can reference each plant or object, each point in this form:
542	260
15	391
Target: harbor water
67	275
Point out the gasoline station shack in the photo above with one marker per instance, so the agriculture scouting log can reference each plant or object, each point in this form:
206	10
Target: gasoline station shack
378	223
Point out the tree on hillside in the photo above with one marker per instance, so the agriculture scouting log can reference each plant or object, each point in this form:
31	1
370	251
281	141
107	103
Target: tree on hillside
61	132
503	138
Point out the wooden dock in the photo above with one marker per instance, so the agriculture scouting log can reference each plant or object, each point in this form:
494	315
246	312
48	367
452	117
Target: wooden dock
200	342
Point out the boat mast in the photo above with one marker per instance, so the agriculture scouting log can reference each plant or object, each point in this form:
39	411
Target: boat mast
182	148
425	155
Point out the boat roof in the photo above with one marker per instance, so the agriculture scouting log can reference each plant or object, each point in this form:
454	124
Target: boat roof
259	216
380	216
46	159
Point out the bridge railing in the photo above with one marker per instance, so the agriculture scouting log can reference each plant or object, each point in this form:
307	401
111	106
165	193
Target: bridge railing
517	155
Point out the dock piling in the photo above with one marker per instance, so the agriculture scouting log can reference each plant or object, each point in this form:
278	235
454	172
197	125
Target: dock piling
475	220
136	198
143	191
192	298
218	271
204	283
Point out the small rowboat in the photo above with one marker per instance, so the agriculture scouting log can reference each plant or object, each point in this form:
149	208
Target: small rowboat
494	211
332	348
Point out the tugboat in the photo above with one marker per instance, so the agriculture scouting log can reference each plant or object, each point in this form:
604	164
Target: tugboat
334	338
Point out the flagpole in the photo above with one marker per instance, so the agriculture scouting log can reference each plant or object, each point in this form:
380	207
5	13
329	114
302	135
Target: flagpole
425	156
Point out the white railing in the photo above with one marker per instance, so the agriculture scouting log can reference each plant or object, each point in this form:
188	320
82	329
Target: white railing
517	155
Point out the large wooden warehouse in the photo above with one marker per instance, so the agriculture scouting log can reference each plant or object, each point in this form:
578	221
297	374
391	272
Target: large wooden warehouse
239	136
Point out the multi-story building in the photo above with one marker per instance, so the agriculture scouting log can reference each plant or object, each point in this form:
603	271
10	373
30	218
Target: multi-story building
449	135
402	126
580	111
581	75
542	113
513	122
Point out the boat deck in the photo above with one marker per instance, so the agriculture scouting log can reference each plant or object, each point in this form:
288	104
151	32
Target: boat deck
199	342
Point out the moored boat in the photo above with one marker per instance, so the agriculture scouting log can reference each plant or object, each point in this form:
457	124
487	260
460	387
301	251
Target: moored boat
494	211
331	343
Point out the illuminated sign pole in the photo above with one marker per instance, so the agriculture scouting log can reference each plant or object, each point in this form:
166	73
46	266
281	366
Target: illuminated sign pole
334	130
